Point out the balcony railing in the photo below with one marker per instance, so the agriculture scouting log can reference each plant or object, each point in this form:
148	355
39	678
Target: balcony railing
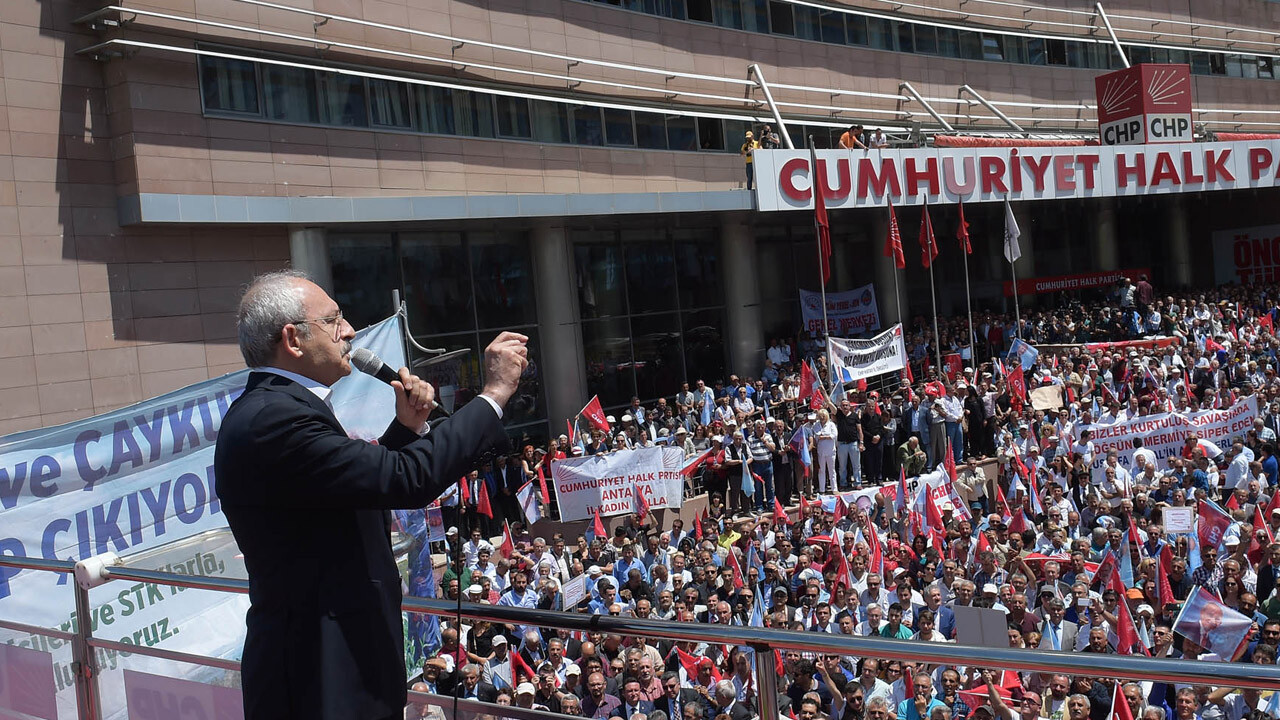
763	640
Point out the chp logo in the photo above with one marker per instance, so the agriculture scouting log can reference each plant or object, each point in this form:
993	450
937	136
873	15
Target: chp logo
813	302
866	297
1147	103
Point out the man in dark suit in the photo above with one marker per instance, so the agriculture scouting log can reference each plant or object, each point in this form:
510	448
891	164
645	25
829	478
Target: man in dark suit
1057	634
1269	572
308	504
633	699
674	697
475	688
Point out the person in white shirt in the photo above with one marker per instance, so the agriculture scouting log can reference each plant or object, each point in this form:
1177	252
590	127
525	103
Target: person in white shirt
1145	454
1238	469
826	451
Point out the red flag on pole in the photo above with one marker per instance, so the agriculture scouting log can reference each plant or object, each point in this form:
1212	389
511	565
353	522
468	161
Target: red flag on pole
1120	709
573	435
597	526
820	222
642	504
928	245
732	562
962	233
508	545
595	414
807	381
482	505
518	665
542	485
893	241
780	513
464	489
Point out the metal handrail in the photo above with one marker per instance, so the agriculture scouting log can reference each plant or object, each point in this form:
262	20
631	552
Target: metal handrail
763	640
1136	668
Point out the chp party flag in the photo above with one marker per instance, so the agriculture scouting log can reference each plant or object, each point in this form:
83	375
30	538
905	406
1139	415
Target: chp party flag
528	498
1212	523
1213	626
962	233
595	414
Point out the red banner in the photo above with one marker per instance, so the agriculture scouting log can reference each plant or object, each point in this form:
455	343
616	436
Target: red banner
1083	281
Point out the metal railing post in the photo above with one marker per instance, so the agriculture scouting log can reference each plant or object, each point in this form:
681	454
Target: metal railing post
911	91
754	69
1114	40
766	681
83	664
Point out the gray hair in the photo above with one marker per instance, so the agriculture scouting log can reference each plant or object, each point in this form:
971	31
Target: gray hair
877	702
726	690
269	303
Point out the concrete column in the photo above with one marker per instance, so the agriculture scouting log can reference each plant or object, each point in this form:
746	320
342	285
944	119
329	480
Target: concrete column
560	343
744	333
309	252
1179	234
1105	251
888	278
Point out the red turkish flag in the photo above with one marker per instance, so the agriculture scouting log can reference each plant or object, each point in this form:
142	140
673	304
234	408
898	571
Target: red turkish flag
893	241
928	245
482	505
962	233
821	223
508	545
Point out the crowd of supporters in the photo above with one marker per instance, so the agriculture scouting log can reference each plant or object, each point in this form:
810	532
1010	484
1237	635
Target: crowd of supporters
1066	537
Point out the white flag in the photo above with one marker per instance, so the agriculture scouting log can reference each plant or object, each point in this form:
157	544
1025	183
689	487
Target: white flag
530	502
1012	251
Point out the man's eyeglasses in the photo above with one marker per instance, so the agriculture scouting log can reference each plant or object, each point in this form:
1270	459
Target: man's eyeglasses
334	320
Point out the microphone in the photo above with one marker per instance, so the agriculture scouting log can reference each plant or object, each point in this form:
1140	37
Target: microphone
364	360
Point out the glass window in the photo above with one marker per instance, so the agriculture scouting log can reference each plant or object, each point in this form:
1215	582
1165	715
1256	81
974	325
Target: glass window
857	27
364	270
617	127
906	42
389	103
710	134
229	85
651	131
601	285
735	132
1014	51
697	263
700	10
773	250
550	121
437	285
782	18
926	40
1178	57
651	272
682	133
513	116
606	350
992	47
949	42
342	100
290	94
1265	68
970	45
1249	64
655	342
703	345
880	33
587	128
454	112
1199	63
755	16
832	26
1138	54
728	13
807	24
1217	64
1234	68
503	280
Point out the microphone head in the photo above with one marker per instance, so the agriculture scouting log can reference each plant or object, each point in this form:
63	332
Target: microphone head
364	360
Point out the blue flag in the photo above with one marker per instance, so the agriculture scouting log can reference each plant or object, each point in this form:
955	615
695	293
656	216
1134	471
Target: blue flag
1126	561
748	481
706	407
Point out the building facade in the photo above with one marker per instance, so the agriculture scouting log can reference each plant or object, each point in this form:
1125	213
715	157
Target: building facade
563	168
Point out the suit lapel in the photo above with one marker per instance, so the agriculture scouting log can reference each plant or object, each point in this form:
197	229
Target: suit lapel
279	383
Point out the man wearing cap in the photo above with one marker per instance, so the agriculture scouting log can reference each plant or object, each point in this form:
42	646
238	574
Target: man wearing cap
497	669
525	694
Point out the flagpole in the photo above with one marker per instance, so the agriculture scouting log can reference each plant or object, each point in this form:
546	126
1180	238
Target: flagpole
1017	313
1010	242
933	294
822	281
973	358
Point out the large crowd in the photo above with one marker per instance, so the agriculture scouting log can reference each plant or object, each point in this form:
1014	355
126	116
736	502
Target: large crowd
1066	540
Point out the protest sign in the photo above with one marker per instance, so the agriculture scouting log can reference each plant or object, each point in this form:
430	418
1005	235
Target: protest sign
1247	255
27	688
1047	397
574	591
607	482
435	524
1164	434
856	359
129	481
1179	520
981	627
850	312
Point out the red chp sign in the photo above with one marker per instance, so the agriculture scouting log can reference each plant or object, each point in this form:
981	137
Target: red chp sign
1146	103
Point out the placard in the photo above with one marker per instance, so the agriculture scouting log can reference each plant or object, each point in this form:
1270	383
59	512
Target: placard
574	591
985	627
1179	520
